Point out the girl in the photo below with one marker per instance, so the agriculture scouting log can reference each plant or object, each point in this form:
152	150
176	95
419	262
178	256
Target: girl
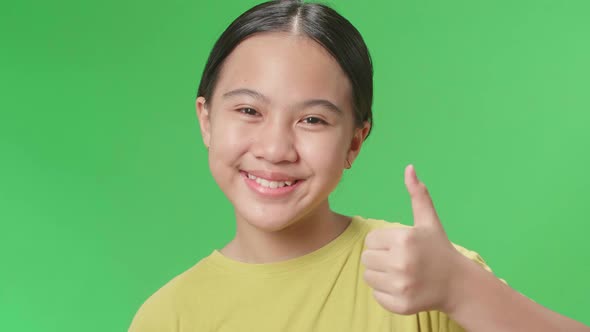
284	107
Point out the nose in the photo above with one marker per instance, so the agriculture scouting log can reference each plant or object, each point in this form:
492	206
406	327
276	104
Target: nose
275	143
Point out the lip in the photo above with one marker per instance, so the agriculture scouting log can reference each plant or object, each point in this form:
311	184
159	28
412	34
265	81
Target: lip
270	192
271	176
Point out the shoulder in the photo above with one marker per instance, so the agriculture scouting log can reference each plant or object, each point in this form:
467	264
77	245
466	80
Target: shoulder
162	310
472	255
158	312
371	224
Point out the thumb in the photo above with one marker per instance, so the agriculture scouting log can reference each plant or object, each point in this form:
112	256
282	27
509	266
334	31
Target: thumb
422	207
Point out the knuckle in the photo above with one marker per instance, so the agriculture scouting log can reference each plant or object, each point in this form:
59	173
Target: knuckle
367	275
407	267
404	307
379	298
391	266
408	239
403	287
406	287
364	257
370	239
422	188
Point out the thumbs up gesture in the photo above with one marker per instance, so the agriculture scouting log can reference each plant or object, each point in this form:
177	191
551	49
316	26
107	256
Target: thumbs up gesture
410	269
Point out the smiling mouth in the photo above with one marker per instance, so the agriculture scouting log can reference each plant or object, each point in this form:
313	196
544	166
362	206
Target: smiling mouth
270	183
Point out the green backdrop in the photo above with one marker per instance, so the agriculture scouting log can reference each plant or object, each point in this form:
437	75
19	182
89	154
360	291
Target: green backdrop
105	192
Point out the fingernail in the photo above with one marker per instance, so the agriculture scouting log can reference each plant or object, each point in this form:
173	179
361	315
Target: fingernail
415	173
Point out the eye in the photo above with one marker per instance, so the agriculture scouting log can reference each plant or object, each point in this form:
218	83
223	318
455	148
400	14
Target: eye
313	120
248	111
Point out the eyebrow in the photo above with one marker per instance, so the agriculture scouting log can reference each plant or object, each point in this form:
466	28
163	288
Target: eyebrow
308	103
248	92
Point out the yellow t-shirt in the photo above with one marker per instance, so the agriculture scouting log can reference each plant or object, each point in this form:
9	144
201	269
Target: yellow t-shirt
320	291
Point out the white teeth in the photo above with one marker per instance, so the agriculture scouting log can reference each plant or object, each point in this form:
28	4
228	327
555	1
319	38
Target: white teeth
270	184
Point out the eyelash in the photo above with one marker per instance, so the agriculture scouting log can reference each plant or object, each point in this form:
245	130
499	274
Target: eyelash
242	110
249	110
320	121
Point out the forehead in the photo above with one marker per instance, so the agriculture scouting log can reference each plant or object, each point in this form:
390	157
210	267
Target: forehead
285	67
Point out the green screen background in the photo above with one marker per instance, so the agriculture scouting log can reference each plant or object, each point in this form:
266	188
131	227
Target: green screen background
105	192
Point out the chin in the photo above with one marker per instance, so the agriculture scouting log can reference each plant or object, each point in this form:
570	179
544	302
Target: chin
269	224
269	221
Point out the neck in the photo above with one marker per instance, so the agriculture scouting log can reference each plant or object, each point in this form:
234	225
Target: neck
300	237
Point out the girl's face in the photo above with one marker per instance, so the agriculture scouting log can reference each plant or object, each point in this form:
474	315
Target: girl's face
279	129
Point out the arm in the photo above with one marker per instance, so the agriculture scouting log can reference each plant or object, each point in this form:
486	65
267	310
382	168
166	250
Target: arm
414	269
480	302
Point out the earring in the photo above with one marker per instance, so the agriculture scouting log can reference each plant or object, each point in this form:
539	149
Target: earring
349	165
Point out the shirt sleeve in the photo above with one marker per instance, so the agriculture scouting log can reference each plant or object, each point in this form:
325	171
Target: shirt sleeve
446	323
474	256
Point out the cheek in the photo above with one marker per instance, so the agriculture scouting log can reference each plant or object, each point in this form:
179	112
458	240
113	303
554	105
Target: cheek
227	139
324	153
227	146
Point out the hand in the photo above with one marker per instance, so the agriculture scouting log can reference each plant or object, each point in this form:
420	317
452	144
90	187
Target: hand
411	268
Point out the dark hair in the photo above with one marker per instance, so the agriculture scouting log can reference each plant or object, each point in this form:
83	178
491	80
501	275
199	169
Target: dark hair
316	21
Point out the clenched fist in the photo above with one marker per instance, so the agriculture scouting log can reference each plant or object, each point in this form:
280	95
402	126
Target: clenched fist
411	269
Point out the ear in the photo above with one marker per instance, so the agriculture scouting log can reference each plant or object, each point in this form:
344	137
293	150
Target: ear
360	134
204	120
